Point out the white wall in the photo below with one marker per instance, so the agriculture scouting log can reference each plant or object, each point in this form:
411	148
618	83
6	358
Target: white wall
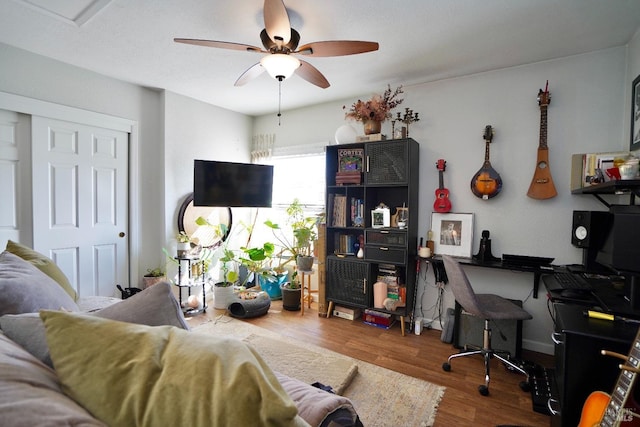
172	131
587	113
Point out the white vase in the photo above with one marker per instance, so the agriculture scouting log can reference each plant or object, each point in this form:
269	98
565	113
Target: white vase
183	249
222	296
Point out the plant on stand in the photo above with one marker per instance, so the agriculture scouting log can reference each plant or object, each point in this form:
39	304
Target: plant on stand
304	232
297	247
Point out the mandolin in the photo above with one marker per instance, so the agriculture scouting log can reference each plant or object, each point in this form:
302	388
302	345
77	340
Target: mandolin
542	186
486	183
620	408
442	203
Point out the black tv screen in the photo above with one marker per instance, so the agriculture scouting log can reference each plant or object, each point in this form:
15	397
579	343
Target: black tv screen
232	184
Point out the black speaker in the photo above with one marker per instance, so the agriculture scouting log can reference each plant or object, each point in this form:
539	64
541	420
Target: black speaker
588	228
505	334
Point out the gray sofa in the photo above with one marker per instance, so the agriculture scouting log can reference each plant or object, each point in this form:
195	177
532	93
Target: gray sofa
133	362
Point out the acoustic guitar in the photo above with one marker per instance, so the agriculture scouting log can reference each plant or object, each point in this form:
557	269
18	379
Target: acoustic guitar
620	408
442	203
486	183
542	186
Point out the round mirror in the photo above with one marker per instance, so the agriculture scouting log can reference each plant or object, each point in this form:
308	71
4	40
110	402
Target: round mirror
204	235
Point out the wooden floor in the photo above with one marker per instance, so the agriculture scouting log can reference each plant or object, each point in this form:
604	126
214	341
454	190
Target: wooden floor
420	356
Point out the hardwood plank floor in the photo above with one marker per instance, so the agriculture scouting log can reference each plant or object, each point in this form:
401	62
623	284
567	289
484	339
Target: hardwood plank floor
420	356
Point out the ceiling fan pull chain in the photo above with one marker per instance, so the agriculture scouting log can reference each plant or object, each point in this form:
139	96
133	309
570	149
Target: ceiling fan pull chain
279	98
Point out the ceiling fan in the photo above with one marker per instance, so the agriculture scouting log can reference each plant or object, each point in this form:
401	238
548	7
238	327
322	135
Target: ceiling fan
280	43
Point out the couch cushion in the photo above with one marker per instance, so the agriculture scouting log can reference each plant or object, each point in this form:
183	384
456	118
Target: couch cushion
31	395
155	306
25	289
163	375
44	264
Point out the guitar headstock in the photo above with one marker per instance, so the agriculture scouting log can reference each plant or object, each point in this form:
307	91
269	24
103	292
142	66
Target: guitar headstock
488	133
544	97
441	164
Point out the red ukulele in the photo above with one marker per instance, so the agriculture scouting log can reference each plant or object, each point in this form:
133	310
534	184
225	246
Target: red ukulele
442	203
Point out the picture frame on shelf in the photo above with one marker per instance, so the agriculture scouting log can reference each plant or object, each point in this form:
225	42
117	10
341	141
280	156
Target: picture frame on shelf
635	114
452	234
380	217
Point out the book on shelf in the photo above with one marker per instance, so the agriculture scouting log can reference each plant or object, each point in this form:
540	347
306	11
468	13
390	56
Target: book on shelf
357	212
339	210
378	318
370	138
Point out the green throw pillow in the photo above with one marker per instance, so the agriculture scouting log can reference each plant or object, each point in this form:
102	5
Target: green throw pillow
44	264
127	374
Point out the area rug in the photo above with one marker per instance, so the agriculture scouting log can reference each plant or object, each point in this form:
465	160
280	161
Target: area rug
380	396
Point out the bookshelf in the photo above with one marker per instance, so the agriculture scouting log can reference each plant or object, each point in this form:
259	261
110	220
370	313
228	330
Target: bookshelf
359	177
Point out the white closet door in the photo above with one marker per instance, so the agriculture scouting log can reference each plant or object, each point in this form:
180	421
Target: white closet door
80	199
9	177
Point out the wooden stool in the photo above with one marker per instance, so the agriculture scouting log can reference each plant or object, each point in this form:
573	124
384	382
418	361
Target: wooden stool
305	282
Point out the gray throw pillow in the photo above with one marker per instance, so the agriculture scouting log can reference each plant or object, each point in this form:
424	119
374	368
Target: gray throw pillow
155	306
25	289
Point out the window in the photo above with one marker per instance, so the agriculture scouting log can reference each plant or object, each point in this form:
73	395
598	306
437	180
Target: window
299	175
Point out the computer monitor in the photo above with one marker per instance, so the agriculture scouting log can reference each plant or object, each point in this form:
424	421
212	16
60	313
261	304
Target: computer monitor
620	250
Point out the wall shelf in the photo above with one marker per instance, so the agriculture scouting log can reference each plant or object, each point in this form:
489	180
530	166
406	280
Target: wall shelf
619	187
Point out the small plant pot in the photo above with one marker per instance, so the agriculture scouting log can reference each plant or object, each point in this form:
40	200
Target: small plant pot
304	263
222	296
290	297
148	281
183	249
271	285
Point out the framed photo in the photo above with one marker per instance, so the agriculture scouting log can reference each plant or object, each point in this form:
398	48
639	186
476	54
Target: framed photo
380	218
350	159
635	115
452	233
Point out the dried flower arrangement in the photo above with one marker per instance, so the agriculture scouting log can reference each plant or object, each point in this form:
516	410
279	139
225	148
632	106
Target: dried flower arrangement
378	108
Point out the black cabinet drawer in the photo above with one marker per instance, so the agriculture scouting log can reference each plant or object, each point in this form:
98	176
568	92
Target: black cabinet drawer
385	238
385	254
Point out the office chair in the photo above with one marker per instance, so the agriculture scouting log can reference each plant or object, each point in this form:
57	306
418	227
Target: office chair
486	307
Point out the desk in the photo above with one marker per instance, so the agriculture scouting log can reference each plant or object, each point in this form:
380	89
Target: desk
580	368
537	270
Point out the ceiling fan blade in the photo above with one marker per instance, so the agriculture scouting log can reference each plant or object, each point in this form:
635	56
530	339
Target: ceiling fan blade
337	48
252	72
276	21
220	45
312	75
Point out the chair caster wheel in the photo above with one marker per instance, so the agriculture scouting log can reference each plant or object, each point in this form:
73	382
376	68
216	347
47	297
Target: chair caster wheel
483	390
446	366
525	386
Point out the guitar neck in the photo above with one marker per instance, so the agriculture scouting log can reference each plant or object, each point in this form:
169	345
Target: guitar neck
543	127
486	153
614	413
441	178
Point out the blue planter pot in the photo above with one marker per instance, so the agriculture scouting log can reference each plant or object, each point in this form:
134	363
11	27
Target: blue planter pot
271	285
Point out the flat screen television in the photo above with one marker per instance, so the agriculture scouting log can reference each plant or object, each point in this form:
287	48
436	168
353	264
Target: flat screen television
232	184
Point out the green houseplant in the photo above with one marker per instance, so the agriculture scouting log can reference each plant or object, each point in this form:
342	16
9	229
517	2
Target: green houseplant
297	246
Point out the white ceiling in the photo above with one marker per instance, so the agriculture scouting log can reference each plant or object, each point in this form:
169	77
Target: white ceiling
420	41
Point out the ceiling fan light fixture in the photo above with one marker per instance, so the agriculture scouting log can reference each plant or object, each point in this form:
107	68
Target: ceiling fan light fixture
279	65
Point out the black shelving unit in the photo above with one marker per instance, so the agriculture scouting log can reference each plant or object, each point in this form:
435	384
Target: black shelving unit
389	175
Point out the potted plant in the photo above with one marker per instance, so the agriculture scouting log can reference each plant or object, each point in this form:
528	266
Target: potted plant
291	293
153	276
184	244
304	229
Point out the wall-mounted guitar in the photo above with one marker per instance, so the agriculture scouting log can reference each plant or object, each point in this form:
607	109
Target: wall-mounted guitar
442	203
486	183
542	186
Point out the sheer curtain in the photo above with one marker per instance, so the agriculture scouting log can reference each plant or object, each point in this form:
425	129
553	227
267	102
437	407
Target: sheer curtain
262	148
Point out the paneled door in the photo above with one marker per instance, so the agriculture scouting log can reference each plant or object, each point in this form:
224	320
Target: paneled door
80	202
